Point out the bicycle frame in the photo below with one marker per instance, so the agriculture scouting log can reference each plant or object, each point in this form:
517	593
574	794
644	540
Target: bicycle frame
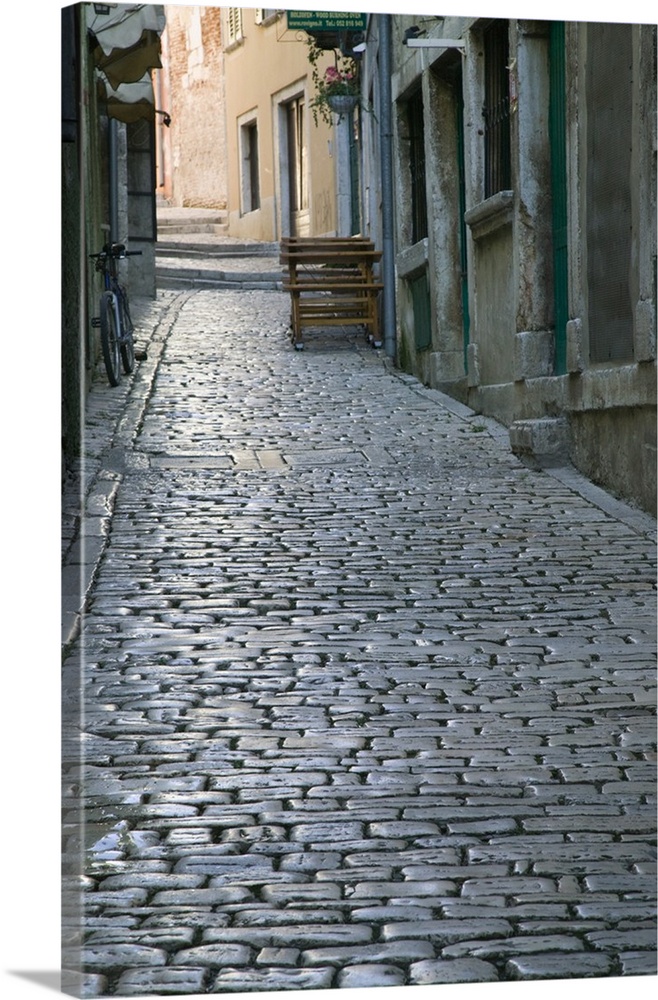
117	331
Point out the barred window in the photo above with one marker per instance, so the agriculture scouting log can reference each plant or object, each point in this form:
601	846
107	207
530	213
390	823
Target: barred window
496	110
419	227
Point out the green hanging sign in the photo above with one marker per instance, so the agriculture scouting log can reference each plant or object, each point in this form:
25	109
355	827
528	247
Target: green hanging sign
326	20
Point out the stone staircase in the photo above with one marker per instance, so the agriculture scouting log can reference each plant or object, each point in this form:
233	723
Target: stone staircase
174	221
194	250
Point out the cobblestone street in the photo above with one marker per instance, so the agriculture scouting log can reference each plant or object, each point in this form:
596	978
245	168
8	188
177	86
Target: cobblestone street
365	701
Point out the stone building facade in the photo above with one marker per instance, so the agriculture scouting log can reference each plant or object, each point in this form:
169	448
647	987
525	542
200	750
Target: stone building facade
191	149
107	176
524	206
239	134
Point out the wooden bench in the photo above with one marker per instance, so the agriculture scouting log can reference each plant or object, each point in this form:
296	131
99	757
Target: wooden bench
331	283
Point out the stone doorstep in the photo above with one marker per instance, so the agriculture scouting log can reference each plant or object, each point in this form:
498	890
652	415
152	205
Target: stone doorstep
543	439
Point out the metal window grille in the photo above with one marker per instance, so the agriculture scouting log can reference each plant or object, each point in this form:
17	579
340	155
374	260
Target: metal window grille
419	228
496	110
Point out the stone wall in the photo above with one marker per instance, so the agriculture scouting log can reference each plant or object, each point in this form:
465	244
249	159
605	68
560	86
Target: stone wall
579	390
617	449
195	142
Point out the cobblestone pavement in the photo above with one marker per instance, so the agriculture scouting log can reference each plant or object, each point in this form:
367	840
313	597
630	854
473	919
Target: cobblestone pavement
365	701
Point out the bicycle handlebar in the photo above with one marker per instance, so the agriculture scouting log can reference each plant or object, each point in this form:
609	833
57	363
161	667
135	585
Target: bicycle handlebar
117	251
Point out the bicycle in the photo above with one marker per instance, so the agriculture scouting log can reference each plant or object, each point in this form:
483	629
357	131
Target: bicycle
114	321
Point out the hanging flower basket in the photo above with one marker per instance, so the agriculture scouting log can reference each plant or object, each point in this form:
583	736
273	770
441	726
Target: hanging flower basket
342	104
337	91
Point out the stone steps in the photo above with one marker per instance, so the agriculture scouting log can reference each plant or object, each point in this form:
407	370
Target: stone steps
221	248
185	277
192	220
192	242
217	229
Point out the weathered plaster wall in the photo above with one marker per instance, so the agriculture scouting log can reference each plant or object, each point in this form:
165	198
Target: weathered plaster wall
197	134
265	71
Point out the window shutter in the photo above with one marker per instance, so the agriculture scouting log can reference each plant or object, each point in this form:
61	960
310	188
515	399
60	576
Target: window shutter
234	24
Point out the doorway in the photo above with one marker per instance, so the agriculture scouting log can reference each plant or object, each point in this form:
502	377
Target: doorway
295	176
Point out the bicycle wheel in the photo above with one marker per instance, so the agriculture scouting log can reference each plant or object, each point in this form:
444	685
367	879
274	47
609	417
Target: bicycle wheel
110	338
127	344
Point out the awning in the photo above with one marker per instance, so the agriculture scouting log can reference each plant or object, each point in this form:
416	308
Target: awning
126	46
129	102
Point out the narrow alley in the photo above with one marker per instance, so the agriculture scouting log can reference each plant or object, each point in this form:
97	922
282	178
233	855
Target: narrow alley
365	701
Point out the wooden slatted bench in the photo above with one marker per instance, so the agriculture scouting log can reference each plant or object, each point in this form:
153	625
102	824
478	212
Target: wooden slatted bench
331	283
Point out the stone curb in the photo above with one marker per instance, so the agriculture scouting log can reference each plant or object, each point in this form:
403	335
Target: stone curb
93	491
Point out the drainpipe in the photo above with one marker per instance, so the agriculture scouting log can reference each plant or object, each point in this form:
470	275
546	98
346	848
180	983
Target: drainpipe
113	171
388	204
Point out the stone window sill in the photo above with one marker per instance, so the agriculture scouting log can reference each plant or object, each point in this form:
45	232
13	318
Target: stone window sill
234	44
412	259
490	215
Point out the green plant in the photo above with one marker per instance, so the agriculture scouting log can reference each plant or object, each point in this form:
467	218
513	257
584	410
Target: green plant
339	80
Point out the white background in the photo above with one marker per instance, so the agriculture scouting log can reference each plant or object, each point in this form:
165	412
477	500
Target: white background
30	515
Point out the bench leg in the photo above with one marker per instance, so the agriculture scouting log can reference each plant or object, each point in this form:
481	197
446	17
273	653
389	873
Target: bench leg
296	335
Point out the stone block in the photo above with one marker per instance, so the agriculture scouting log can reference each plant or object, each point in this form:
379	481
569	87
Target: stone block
464	970
557	965
576	353
473	374
533	354
446	366
543	439
645	331
364	976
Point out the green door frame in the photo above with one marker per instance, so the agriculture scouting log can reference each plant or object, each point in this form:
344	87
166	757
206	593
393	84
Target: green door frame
461	170
557	119
355	212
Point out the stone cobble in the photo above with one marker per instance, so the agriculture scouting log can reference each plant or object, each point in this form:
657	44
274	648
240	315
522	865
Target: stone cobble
366	702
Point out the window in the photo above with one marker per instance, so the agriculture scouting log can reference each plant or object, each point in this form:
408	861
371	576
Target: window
265	14
420	296
249	167
233	23
297	156
496	110
419	228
